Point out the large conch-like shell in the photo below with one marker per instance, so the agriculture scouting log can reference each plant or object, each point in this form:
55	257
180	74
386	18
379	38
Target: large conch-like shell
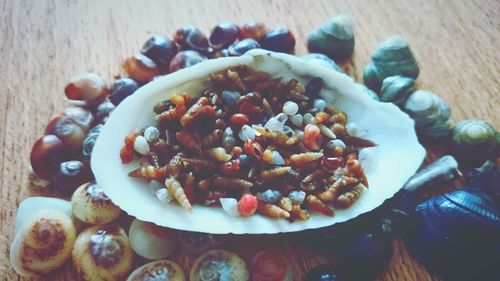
388	165
42	242
103	252
162	270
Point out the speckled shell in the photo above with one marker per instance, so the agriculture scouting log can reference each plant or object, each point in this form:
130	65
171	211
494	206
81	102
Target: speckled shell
103	252
42	242
163	270
334	38
151	241
396	89
228	265
457	235
392	57
384	123
91	205
431	114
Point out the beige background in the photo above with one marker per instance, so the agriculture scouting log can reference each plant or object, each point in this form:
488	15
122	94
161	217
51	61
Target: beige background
43	43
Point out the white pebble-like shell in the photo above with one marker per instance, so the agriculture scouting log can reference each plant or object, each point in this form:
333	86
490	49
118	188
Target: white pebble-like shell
246	133
91	205
230	206
151	134
290	108
391	129
43	242
141	145
162	270
164	195
151	241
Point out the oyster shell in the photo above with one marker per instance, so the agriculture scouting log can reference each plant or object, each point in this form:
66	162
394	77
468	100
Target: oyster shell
395	159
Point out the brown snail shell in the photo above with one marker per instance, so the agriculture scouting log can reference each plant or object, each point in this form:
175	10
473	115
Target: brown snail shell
43	243
91	205
103	252
151	241
158	270
219	265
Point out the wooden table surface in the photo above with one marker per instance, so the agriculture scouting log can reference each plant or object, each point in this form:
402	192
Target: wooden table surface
44	43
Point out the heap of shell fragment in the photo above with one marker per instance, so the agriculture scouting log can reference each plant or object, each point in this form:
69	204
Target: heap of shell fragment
255	144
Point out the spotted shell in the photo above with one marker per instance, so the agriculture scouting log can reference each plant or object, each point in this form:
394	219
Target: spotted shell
158	270
384	123
91	205
219	265
43	242
103	252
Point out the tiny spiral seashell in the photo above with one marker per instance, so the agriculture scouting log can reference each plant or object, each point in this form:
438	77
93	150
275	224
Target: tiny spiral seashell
91	205
103	252
43	242
151	241
165	270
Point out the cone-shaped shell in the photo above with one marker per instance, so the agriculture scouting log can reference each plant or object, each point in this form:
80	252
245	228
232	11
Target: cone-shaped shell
103	252
384	124
431	114
392	57
334	38
91	205
163	270
151	241
42	243
219	265
474	139
396	89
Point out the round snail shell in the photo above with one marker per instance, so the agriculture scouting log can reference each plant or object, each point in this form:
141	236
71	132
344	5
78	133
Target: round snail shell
103	252
91	205
158	270
151	241
219	265
43	242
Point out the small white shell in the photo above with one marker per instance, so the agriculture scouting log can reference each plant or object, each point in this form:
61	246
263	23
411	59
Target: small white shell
141	145
151	134
43	242
91	205
219	263
103	252
164	195
151	241
230	206
219	154
163	270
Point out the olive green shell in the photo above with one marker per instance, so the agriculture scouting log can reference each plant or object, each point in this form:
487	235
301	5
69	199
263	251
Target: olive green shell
392	57
431	114
474	140
396	89
334	38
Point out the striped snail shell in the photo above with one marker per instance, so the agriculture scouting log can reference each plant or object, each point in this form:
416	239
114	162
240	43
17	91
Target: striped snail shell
43	242
103	252
158	270
152	241
217	265
91	205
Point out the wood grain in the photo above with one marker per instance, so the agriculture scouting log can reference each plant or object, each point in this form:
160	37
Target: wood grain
43	43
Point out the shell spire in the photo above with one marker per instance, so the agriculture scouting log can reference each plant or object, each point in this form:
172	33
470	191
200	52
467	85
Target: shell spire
175	187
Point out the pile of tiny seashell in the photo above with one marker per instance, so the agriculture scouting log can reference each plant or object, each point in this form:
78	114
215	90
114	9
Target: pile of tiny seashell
252	143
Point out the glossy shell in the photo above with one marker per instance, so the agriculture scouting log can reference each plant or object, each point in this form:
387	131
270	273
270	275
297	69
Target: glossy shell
42	242
396	89
151	241
334	38
91	205
163	270
457	235
431	114
474	139
217	265
102	252
392	57
385	124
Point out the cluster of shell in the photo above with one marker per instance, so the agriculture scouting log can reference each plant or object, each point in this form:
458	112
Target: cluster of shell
49	231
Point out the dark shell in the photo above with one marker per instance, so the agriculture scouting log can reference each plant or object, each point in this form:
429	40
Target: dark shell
279	40
103	111
185	59
457	235
223	35
196	243
241	47
487	178
191	38
322	273
121	89
160	50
